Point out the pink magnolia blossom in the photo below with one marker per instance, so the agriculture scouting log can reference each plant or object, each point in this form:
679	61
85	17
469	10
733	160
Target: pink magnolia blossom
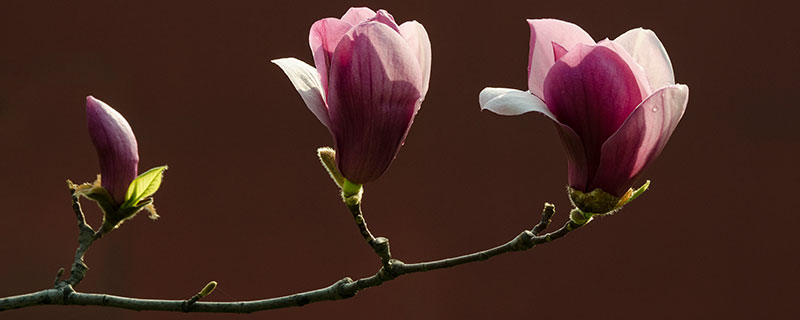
615	103
116	147
370	79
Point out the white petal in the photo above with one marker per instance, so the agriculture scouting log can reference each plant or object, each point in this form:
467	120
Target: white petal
645	48
512	102
417	39
306	80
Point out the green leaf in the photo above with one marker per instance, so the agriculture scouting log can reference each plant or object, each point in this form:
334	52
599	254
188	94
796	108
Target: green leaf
639	191
145	185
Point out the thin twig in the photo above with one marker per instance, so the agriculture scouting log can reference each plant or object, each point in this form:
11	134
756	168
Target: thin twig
86	236
358	217
380	244
342	289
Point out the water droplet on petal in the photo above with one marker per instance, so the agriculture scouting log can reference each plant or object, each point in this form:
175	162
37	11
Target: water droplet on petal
655	109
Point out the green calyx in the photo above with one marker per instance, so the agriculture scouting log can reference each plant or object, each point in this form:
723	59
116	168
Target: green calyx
350	189
599	202
351	192
137	198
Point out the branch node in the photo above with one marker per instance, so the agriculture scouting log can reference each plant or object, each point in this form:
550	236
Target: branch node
341	291
524	240
392	269
381	247
64	291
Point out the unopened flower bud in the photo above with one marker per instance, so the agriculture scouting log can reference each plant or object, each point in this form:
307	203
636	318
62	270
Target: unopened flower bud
116	147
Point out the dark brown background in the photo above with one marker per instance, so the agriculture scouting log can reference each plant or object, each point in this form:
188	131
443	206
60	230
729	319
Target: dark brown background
246	203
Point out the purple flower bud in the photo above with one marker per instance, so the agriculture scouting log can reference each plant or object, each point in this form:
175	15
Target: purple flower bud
615	103
370	79
116	147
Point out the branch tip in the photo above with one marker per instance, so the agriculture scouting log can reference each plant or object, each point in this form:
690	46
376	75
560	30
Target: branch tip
59	273
547	213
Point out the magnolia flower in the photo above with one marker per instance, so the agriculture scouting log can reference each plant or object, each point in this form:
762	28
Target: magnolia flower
615	103
116	147
370	79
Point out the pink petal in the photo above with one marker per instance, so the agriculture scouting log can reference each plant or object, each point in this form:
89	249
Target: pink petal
512	102
306	81
640	139
558	51
354	16
384	17
645	48
417	39
591	90
325	34
374	93
543	33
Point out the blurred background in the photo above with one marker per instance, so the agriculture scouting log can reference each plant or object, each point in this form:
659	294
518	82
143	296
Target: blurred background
246	203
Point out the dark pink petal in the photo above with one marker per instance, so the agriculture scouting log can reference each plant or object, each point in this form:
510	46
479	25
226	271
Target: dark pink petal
354	16
543	33
116	147
577	167
638	72
417	39
384	17
374	93
640	139
325	34
592	90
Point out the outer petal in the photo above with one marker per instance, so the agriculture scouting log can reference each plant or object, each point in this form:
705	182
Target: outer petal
645	48
417	38
354	16
512	102
116	147
577	165
375	91
640	139
386	18
591	90
543	33
306	80
325	34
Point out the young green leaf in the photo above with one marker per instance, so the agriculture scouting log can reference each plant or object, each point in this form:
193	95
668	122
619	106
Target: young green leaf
639	191
145	185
